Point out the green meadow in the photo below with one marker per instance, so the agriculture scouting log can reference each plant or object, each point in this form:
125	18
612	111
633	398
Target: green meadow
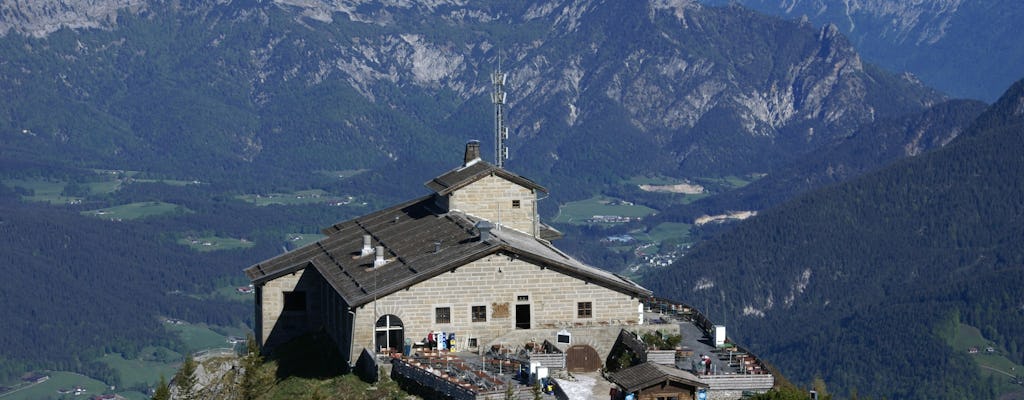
993	364
48	390
580	212
136	210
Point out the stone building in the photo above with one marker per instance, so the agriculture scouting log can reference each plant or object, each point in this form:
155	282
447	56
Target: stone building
471	258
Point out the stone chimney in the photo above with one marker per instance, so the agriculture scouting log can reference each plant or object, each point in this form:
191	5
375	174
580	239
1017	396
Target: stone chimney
472	152
485	230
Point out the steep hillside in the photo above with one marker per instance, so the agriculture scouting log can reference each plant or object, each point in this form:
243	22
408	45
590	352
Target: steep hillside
966	48
873	145
857	282
221	90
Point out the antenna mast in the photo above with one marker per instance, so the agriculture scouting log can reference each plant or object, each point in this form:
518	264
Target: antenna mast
500	131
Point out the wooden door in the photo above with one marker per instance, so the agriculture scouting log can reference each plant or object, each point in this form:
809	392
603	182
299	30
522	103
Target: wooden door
582	358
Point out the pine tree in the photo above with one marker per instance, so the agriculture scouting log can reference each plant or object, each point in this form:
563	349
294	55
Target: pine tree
510	393
185	380
163	391
254	380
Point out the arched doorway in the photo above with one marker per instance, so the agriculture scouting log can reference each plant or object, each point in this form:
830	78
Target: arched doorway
582	358
389	333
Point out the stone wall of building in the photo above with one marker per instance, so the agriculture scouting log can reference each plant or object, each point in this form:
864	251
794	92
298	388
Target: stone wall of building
497	200
279	325
499	283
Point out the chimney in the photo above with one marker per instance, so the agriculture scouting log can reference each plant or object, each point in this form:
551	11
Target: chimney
472	152
367	248
380	257
485	230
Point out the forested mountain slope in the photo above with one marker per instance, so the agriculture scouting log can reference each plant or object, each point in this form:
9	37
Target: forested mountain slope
873	145
860	283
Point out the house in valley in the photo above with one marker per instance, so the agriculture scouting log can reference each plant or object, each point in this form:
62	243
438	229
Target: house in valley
470	259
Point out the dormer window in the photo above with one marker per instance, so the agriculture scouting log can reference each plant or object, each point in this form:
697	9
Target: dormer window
515	204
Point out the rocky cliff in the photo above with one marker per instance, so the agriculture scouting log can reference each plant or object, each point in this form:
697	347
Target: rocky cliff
966	48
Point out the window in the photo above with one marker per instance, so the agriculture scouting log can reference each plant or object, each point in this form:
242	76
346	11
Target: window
443	315
295	301
584	309
478	314
471	342
515	204
522	298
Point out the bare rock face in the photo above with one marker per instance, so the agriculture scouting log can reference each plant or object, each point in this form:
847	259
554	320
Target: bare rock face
39	18
967	48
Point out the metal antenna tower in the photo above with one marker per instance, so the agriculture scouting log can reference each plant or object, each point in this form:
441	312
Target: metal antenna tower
500	130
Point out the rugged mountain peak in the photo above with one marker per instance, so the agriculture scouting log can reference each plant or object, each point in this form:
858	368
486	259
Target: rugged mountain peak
38	18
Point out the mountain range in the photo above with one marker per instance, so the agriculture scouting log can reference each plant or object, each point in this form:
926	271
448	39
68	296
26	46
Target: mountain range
215	89
229	98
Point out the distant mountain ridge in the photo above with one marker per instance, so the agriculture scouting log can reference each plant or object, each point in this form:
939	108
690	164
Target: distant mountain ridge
873	145
966	48
294	86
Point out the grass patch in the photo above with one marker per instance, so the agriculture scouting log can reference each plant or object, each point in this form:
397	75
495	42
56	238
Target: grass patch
584	211
231	293
992	364
141	372
342	174
42	190
313	196
170	182
309	367
664	231
296	240
103	187
59	380
136	210
200	337
212	243
733	181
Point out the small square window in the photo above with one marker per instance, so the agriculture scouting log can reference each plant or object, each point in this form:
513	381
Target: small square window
471	342
443	315
295	301
522	298
584	309
515	204
478	313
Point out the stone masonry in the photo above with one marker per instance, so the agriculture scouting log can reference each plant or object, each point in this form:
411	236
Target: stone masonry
499	283
286	324
494	199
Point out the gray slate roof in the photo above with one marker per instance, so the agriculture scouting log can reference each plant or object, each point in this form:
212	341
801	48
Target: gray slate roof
408	233
648	374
